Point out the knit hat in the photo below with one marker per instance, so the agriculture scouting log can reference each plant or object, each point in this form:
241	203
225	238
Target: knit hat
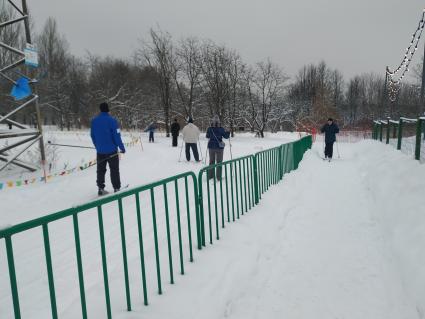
104	107
215	120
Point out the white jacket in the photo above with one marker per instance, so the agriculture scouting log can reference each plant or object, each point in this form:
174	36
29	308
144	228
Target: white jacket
191	133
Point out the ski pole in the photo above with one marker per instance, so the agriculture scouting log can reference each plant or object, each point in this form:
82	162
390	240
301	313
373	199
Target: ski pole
181	149
337	149
67	145
230	144
141	144
200	151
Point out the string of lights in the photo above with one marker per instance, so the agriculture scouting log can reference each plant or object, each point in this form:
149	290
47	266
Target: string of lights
395	77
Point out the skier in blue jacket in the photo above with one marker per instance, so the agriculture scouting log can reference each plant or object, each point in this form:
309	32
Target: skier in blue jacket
215	134
106	137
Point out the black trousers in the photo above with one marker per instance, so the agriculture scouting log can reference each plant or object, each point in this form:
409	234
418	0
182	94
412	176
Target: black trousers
175	140
114	168
329	149
216	156
194	148
151	139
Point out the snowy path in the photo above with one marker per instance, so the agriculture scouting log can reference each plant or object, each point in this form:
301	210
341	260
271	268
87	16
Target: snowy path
313	248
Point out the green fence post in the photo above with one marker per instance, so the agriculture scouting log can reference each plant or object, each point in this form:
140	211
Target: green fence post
104	263
124	255
387	141
400	133
141	249
80	266
394	130
254	160
50	271
418	139
12	275
381	128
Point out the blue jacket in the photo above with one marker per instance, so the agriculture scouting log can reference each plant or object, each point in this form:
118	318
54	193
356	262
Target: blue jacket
330	131
105	134
151	128
216	135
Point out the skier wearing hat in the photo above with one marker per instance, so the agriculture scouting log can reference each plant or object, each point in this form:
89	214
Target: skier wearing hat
330	129
215	134
106	137
191	137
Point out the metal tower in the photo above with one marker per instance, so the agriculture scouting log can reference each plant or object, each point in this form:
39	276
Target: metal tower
19	135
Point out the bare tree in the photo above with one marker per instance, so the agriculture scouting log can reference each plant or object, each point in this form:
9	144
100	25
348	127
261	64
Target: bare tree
215	75
158	54
54	61
187	73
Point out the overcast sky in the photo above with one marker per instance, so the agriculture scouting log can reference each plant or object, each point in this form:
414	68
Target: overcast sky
354	36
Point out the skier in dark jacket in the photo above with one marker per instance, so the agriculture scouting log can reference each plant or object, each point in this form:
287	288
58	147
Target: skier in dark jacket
175	129
215	134
330	129
151	129
106	137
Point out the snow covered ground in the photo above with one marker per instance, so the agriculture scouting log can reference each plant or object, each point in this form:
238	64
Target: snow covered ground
138	167
332	240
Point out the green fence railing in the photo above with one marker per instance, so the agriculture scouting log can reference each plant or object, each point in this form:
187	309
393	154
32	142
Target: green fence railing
224	192
412	131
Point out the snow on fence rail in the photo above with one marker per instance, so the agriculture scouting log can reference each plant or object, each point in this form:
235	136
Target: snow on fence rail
130	244
406	134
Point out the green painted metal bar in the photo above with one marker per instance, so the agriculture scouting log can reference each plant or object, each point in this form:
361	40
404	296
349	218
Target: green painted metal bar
124	255
179	229
231	190
167	224
200	196
155	236
240	187
387	140
248	181
12	277
209	207
418	139
227	194
198	222
381	128
80	266
236	190
215	203
400	133
104	263
394	130
50	271
141	249
256	181
221	200
245	175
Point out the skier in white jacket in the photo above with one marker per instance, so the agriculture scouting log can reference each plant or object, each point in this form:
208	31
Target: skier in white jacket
191	137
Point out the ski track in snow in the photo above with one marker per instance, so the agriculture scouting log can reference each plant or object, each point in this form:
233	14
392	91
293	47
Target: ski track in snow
339	240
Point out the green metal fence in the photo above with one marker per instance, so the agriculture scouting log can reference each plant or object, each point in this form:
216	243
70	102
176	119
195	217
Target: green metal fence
408	134
224	192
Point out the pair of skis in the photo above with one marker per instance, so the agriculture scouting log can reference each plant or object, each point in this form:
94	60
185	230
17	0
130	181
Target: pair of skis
105	192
